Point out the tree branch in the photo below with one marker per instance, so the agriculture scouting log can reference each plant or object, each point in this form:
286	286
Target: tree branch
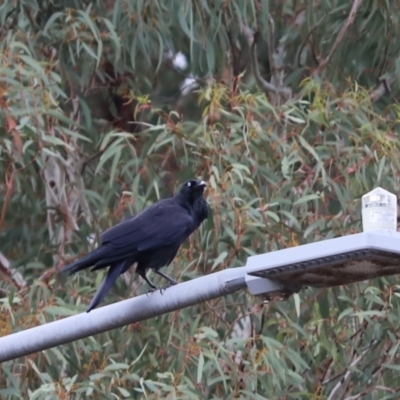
266	86
9	185
15	277
251	40
271	42
305	42
350	19
348	373
382	88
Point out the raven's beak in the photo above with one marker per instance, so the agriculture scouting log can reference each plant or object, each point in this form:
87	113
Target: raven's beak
202	184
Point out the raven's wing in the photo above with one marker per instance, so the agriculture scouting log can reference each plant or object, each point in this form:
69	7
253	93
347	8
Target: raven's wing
125	227
162	224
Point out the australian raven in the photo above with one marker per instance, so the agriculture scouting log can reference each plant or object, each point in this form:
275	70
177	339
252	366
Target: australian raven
149	239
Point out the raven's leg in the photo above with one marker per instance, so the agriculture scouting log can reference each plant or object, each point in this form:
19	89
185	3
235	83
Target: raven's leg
165	276
142	273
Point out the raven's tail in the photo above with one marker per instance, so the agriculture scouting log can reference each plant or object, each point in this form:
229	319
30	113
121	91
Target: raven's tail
112	274
87	261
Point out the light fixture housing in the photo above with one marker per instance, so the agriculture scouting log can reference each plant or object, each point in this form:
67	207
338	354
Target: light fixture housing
327	263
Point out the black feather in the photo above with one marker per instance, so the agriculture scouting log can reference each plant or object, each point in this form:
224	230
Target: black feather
112	274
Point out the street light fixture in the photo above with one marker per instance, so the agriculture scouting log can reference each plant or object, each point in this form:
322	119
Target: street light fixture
334	262
328	263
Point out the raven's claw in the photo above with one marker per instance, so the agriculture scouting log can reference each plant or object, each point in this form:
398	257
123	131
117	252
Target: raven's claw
162	289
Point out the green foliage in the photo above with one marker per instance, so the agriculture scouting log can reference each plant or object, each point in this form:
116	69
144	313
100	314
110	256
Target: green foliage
95	126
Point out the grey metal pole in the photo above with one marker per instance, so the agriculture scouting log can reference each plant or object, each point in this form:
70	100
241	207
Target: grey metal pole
122	313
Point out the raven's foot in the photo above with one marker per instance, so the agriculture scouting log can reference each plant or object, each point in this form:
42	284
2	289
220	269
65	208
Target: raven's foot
161	289
151	290
164	288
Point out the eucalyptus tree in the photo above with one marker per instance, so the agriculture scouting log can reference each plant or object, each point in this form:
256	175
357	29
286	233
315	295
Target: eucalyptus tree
288	109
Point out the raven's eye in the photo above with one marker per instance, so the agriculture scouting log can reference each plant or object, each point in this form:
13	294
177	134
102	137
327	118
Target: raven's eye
189	184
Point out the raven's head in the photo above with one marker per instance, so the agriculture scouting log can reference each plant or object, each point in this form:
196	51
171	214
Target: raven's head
193	189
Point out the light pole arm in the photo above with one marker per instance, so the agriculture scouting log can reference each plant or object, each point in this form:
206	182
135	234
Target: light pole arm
122	313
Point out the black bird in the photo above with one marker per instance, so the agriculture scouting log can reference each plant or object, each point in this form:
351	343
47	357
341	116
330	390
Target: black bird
150	239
